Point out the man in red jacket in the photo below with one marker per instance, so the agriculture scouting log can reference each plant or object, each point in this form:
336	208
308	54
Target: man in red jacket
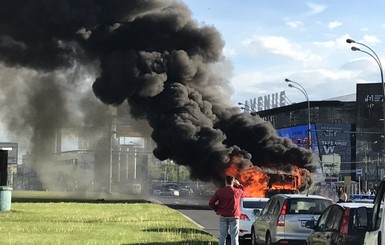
225	202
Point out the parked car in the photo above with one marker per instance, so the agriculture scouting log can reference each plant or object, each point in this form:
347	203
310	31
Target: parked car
283	218
249	206
341	223
166	192
186	191
157	192
170	192
362	198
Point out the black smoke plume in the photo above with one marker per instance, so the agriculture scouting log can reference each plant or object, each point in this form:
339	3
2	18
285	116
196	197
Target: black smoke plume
154	56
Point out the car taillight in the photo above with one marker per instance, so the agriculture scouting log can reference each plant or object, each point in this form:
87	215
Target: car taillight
281	217
345	222
244	217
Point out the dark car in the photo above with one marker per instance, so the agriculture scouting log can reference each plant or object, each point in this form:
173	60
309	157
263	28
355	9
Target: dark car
341	223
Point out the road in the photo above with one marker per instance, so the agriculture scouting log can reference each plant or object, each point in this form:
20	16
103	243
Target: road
197	210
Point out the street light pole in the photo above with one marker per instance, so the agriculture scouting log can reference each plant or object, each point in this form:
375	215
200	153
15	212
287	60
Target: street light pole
378	61
303	90
247	108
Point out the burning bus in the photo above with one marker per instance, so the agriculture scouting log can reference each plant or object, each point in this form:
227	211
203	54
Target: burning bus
266	182
282	183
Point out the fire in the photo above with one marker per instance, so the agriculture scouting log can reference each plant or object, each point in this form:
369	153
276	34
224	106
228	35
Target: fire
258	181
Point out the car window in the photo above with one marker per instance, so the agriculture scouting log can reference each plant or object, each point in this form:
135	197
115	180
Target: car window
307	205
254	204
360	218
336	217
267	206
322	219
331	218
273	207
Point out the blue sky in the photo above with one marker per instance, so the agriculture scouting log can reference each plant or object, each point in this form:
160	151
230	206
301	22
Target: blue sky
267	41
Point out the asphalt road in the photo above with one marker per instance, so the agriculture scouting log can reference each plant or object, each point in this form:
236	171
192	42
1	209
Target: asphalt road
198	211
209	222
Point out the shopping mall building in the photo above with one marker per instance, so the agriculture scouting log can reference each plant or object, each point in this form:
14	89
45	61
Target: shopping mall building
346	132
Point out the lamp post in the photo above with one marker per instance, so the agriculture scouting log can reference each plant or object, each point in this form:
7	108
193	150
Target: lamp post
378	61
135	145
247	108
244	107
303	90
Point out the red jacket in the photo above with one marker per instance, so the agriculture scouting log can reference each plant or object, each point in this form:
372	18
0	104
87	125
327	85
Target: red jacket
225	201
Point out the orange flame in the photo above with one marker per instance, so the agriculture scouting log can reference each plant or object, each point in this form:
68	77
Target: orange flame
258	182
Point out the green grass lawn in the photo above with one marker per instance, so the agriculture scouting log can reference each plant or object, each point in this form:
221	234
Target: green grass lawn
93	223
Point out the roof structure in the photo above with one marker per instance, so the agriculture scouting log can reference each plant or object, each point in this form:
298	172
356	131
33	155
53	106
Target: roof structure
345	98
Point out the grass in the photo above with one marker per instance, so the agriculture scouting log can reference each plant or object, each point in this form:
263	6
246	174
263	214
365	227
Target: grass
95	223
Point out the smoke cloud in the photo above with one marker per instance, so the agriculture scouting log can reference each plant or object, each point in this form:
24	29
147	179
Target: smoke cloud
154	56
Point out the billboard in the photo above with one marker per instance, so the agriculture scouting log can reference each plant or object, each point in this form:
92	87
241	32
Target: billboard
299	136
327	139
12	154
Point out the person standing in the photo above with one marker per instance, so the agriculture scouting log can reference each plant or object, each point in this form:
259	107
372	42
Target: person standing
343	197
226	203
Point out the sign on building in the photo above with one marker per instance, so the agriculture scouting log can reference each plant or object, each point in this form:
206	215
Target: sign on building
265	102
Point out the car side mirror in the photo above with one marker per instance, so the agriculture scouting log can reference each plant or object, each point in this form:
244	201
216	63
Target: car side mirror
310	224
256	212
360	218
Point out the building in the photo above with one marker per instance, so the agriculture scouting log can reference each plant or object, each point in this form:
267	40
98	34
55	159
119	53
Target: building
346	133
108	156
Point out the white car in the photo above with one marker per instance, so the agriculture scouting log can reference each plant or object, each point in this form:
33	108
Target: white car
248	205
375	234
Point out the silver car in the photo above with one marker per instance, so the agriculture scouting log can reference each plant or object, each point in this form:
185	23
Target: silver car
283	218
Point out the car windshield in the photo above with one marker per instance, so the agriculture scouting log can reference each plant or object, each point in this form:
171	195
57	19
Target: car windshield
307	206
254	204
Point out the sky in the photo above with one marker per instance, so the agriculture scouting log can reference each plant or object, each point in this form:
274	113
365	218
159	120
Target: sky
267	41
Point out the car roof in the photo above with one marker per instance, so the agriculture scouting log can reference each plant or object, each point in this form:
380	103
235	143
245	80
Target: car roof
262	199
302	196
355	204
363	200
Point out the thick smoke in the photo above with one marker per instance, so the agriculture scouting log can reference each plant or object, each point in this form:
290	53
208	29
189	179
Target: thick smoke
154	56
39	109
